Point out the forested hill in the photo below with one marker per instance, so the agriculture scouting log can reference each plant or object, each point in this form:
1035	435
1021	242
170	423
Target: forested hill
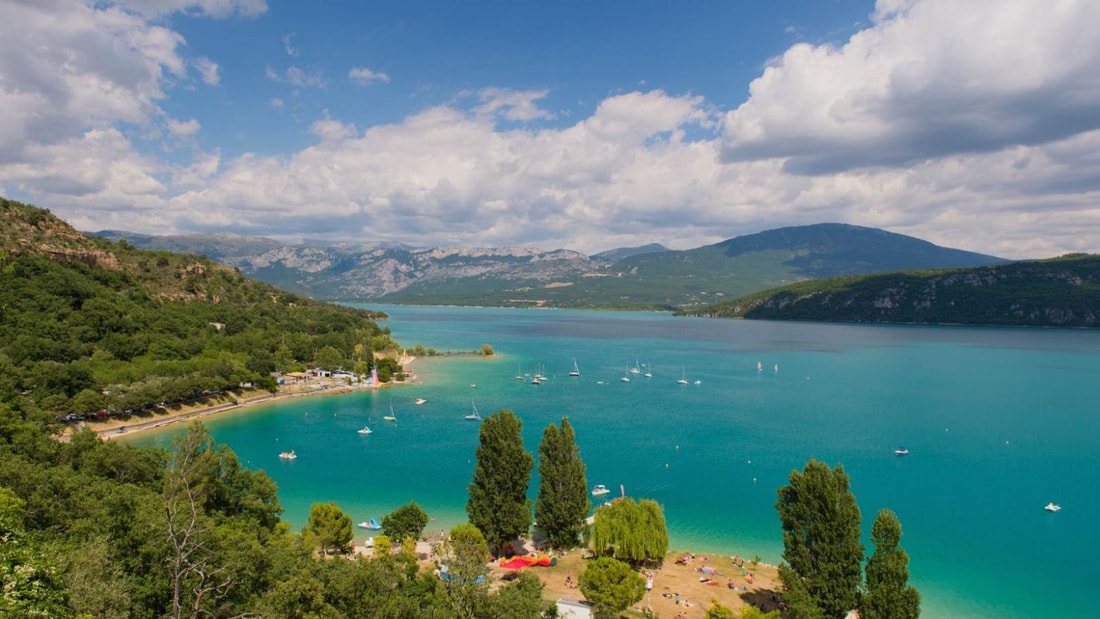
1059	292
90	325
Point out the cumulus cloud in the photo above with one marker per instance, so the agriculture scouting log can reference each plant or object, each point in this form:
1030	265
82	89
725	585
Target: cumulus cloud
929	78
208	70
948	121
364	76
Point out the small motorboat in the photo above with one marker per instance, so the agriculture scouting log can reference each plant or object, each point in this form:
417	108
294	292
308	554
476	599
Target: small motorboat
420	400
901	451
1053	507
600	490
365	430
288	455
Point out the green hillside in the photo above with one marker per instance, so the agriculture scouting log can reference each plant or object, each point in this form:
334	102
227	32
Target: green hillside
90	325
1060	292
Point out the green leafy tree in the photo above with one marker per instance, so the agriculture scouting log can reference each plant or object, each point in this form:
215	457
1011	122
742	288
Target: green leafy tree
888	594
498	505
821	545
611	585
29	585
518	599
329	358
562	504
464	573
631	531
407	521
752	612
329	528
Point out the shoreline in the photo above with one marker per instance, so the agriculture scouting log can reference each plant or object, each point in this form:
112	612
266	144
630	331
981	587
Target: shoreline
136	424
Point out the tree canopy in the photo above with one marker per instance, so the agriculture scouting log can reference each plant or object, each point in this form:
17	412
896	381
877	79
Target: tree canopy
407	521
498	505
632	531
562	503
611	585
888	593
821	542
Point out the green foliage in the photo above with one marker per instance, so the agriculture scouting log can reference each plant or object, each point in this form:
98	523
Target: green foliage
487	350
888	594
611	585
717	611
1061	292
518	599
407	521
465	575
329	528
821	545
631	531
83	317
498	504
383	546
562	504
752	612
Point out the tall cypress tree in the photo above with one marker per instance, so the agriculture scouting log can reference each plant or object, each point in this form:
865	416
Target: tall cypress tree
889	595
562	504
498	504
821	544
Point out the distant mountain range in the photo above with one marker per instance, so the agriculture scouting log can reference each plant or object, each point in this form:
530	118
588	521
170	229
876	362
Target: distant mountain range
1059	292
651	277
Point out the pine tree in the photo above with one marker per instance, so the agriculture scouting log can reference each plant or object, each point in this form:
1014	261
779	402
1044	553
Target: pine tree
821	544
498	504
888	595
562	504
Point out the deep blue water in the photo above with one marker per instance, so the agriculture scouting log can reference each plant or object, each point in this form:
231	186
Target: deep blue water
998	422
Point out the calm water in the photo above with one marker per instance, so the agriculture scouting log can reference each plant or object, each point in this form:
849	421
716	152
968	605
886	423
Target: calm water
998	422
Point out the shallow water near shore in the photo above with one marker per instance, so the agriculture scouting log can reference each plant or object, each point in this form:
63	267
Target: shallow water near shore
998	422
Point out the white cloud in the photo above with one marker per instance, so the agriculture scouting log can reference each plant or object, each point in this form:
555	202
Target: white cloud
365	76
929	78
291	51
296	77
205	8
968	124
208	70
182	128
513	104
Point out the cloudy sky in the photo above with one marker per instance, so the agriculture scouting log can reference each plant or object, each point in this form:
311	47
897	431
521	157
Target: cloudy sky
580	125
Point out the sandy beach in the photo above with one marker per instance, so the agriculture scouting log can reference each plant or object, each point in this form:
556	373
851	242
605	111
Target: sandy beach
215	404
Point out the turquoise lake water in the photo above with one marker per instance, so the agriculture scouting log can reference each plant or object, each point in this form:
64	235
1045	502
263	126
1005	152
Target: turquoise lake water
998	422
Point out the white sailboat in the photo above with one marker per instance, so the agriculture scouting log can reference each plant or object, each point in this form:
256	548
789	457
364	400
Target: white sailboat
648	370
474	416
519	373
635	369
365	430
576	371
391	416
626	377
683	377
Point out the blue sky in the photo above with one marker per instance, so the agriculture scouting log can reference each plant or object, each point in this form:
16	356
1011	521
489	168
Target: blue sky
579	125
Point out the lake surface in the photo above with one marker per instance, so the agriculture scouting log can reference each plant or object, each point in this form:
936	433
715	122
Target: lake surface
998	422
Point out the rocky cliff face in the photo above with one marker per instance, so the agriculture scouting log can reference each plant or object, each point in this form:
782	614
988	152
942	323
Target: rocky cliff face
376	272
1063	292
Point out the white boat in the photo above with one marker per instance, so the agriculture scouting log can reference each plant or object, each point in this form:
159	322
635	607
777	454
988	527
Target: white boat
683	377
391	416
600	490
420	401
698	382
635	369
901	451
365	430
1053	507
648	370
519	374
576	371
474	416
371	524
625	378
288	455
759	366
